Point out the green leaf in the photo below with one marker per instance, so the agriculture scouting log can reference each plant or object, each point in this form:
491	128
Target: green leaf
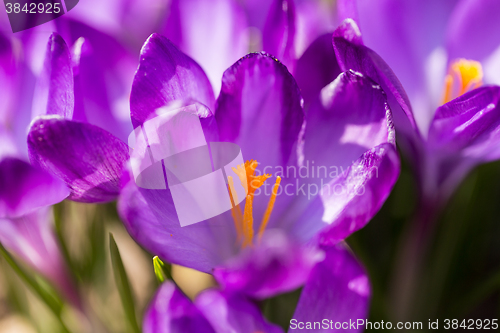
39	286
162	272
123	285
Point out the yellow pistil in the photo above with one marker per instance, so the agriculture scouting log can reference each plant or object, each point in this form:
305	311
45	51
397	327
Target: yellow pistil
463	76
244	222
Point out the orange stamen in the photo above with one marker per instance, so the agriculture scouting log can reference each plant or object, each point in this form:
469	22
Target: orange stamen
269	208
244	222
463	76
248	222
235	209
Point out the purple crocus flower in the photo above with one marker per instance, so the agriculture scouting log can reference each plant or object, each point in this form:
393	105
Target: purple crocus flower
447	122
336	292
26	192
441	54
261	110
86	157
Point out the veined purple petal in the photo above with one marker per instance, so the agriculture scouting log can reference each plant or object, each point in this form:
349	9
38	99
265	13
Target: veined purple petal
469	120
364	188
279	32
316	68
260	109
171	312
350	117
151	219
406	34
351	54
165	74
214	33
104	69
30	237
24	188
54	93
232	313
275	266
338	289
464	133
87	158
468	33
147	205
348	202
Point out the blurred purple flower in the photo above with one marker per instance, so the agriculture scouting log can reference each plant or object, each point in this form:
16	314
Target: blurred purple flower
452	123
349	127
61	140
214	33
26	192
217	33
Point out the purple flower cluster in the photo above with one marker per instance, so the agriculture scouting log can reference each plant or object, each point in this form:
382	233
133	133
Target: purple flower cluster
326	89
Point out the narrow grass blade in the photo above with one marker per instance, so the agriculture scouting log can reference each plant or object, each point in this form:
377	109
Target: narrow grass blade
123	285
44	290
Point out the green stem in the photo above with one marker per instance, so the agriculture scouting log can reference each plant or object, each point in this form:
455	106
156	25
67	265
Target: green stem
50	298
123	284
477	295
414	246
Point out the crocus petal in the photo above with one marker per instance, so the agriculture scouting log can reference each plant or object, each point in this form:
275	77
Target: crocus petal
468	32
30	237
87	158
314	18
338	289
232	313
103	70
364	188
316	68
16	93
279	32
351	54
165	74
350	117
171	311
464	133
405	34
213	33
24	188
260	109
54	92
348	202
151	219
7	72
256	11
147	205
8	147
275	266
